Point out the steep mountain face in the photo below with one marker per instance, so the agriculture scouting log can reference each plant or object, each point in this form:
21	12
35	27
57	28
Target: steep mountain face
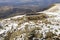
55	10
43	26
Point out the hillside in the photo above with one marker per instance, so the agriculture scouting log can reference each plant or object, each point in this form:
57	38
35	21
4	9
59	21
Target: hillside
43	25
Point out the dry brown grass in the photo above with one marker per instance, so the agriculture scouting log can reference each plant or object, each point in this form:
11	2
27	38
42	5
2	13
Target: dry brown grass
37	17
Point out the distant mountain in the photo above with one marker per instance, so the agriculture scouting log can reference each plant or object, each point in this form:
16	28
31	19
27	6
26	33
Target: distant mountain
9	11
18	8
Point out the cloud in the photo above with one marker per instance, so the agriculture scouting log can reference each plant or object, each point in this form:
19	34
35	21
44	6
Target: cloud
23	1
26	0
30	0
15	0
4	0
20	0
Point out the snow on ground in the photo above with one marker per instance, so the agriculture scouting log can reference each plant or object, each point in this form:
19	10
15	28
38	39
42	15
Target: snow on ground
15	17
7	27
54	27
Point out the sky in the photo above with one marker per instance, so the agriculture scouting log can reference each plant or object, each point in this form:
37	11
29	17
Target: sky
24	1
40	2
17	0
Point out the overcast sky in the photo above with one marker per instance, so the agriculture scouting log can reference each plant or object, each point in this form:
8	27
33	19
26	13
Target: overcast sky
19	0
28	0
42	3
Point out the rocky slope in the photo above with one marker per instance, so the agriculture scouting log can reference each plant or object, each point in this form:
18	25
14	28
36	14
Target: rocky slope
43	26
